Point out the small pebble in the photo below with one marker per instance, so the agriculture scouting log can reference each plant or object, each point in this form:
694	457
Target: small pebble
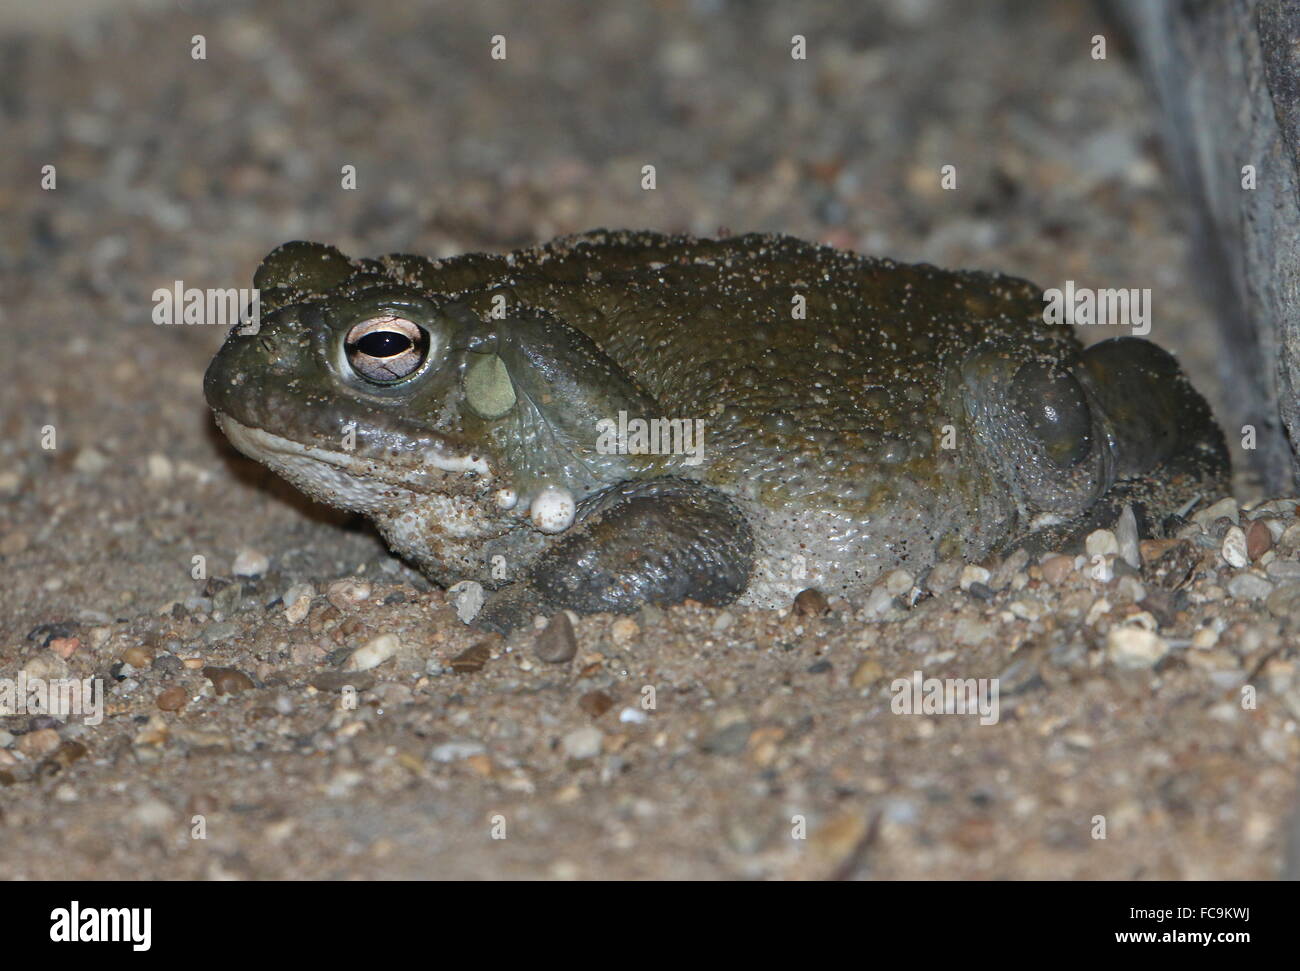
724	620
297	602
472	659
1259	539
971	573
1134	648
250	563
348	593
623	631
898	582
583	743
467	597
1249	586
38	744
138	656
557	643
944	575
173	699
595	703
455	751
373	653
1234	547
1101	542
1223	509
1057	569
1126	538
866	674
168	665
811	603
227	681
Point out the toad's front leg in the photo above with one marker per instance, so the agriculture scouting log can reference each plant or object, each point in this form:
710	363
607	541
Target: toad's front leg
656	541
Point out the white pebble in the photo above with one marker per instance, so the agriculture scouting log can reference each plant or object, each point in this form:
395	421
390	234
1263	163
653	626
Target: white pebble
250	563
1223	509
1134	648
553	510
973	574
297	602
1126	538
467	598
583	743
374	653
898	582
348	593
1101	542
1234	547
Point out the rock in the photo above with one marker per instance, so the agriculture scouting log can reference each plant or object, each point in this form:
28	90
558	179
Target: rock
898	582
866	674
1283	570
65	647
595	703
297	602
1284	602
970	632
90	462
373	653
944	576
467	597
159	467
583	743
46	665
1134	648
1223	509
971	573
472	659
877	604
1126	538
138	656
227	681
557	643
623	631
455	751
167	665
1233	549
38	744
722	622
250	563
1057	569
731	739
349	593
1101	542
1259	539
1226	74
1007	570
1249	586
173	698
811	603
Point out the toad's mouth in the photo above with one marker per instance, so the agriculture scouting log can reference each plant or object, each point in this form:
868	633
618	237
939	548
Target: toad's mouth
357	482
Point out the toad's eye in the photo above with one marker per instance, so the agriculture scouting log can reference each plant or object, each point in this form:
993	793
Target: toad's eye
1056	410
386	349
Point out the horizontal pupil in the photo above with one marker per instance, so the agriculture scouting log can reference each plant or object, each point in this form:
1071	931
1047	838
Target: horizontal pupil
383	343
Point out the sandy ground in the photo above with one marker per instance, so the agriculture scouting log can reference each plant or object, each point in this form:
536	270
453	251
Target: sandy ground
772	750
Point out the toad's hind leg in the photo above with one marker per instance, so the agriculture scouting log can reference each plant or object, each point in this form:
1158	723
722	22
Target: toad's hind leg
653	541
